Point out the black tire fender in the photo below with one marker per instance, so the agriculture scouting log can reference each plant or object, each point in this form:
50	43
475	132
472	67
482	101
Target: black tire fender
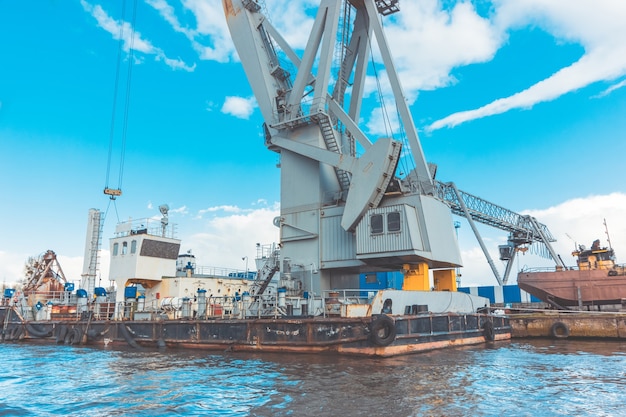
559	330
382	330
75	336
61	333
488	331
37	331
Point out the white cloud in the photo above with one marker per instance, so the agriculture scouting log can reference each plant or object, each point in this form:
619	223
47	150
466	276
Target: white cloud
383	122
180	210
167	13
293	20
597	26
222	208
239	107
604	93
12	267
121	30
72	267
232	234
176	64
427	43
212	28
211	38
582	219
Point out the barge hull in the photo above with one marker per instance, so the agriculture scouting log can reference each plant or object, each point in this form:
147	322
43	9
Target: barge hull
351	336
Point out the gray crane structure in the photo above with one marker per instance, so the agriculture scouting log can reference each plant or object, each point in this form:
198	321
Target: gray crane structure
345	209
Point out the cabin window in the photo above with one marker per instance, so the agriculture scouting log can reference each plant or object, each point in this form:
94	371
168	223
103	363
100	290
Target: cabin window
376	223
133	246
124	248
371	279
393	222
115	248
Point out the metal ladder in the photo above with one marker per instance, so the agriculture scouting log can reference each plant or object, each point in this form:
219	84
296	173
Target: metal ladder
328	133
268	271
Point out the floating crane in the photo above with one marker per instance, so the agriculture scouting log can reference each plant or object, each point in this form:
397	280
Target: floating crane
344	208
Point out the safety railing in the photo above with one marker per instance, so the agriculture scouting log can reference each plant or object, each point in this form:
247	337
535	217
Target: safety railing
332	300
238	306
615	270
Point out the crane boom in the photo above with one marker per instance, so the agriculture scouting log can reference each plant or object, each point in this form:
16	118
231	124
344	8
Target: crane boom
523	229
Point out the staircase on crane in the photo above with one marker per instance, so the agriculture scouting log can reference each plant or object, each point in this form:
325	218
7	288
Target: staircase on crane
328	133
267	272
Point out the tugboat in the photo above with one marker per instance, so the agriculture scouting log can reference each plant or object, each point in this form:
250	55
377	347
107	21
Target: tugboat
595	281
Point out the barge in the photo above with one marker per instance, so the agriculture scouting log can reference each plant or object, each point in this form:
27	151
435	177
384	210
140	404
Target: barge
182	305
348	208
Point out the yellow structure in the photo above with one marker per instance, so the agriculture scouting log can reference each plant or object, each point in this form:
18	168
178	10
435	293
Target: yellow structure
445	280
416	277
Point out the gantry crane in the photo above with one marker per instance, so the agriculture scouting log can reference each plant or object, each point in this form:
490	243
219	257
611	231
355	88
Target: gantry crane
344	209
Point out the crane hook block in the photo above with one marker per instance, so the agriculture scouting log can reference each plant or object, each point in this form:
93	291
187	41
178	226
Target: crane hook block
114	192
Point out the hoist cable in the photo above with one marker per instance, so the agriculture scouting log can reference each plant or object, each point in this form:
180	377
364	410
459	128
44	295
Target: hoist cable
386	119
106	212
115	91
128	84
381	99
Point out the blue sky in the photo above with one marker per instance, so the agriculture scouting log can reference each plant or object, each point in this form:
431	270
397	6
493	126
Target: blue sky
520	102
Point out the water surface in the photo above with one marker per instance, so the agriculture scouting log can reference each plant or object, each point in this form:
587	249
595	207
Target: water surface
522	378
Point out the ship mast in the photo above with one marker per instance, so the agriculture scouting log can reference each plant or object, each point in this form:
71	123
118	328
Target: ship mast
606	230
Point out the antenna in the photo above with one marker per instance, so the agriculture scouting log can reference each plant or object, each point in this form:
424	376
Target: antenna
570	238
606	230
164	209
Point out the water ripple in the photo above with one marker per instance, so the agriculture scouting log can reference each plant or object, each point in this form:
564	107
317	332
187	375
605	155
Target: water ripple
523	378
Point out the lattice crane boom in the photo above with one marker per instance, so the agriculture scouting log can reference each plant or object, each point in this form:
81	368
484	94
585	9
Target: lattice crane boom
523	229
